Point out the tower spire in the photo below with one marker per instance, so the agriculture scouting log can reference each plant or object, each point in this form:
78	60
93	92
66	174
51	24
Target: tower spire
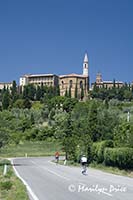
85	65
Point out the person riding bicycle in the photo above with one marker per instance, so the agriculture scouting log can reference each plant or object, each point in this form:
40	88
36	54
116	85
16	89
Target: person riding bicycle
57	156
83	161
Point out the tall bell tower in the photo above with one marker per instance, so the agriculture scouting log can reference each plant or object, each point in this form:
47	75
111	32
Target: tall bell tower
86	66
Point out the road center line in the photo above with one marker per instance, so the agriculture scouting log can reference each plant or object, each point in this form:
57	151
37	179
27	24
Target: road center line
56	174
51	171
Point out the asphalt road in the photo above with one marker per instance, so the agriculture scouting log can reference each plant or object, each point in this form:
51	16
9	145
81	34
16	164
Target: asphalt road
47	181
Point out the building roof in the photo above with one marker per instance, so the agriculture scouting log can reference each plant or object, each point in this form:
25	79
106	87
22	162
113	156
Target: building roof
108	82
111	82
37	75
86	58
72	75
2	83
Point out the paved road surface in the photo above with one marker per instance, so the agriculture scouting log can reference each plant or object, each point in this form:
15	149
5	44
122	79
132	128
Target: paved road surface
47	181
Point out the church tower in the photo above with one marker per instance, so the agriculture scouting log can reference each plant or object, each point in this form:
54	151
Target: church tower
85	66
99	78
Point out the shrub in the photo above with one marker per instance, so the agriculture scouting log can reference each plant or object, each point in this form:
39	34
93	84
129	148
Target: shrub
9	174
6	185
119	157
4	161
98	150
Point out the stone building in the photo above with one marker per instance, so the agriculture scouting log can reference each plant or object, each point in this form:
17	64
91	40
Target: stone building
106	84
38	79
70	82
6	85
76	84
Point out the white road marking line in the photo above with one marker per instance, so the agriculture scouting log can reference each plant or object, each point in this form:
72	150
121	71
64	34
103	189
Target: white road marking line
56	174
51	162
33	162
26	184
51	171
106	193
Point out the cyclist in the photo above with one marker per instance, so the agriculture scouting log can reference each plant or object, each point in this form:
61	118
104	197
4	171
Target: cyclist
83	161
57	157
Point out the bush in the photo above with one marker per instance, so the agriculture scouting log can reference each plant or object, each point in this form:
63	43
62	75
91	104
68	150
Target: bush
4	161
6	185
119	157
9	174
98	150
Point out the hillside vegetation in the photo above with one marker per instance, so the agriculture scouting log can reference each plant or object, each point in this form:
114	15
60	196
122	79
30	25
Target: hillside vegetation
101	127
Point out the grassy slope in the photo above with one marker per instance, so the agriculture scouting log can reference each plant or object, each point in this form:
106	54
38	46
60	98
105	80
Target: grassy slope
113	170
17	189
41	148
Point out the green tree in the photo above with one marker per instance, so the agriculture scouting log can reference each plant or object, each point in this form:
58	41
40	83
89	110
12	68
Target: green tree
14	91
69	104
42	90
38	93
82	137
76	91
104	117
4	136
57	91
19	103
82	93
128	95
123	135
69	92
64	133
6	100
66	93
27	103
114	84
29	92
60	124
32	119
93	121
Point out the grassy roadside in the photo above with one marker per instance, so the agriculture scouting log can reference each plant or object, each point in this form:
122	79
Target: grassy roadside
30	149
10	186
13	188
112	170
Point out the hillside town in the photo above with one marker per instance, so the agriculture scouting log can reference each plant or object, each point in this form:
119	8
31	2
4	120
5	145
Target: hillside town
66	82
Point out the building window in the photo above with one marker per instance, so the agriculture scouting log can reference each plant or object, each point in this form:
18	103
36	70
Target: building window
70	83
81	84
62	83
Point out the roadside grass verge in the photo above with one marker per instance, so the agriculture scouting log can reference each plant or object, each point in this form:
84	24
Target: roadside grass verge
109	169
30	149
113	170
11	187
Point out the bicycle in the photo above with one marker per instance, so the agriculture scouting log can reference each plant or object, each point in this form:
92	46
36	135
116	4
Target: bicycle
57	159
84	170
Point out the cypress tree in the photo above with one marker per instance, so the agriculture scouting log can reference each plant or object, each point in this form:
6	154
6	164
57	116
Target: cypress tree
76	91
6	100
38	93
69	94
66	93
114	83
82	93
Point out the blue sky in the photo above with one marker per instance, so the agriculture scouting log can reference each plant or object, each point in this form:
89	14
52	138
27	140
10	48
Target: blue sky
51	36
